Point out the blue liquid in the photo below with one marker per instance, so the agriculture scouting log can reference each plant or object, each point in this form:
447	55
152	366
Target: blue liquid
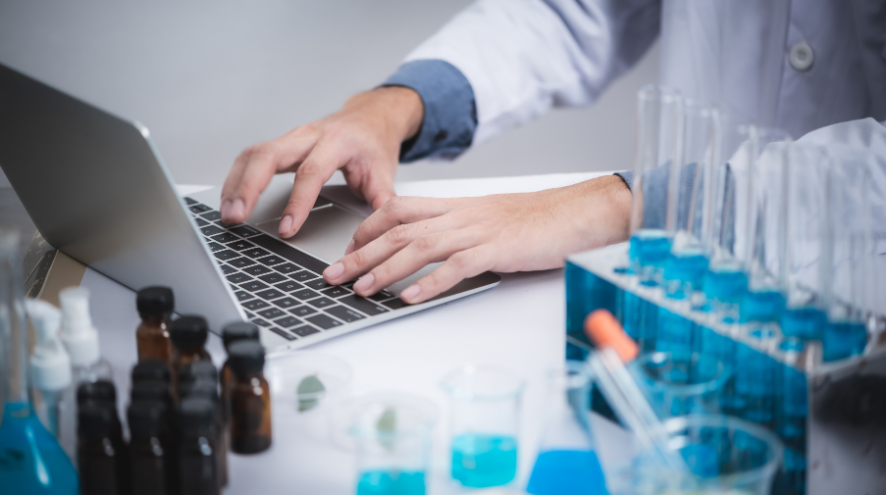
675	333
791	480
803	323
793	406
724	287
755	385
391	482
762	306
567	472
722	348
688	269
481	461
843	339
640	321
31	460
649	248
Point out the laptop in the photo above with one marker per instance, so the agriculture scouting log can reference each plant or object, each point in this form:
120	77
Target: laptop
96	188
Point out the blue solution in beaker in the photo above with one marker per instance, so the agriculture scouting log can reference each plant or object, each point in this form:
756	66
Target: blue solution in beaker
762	306
724	286
31	460
567	472
391	482
843	339
755	383
805	323
481	461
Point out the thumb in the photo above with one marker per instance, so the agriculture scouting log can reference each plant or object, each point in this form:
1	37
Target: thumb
377	187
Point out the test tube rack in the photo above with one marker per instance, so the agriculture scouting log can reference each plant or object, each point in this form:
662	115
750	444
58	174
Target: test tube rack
830	416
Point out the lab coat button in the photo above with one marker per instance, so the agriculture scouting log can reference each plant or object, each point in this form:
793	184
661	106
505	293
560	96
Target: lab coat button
802	57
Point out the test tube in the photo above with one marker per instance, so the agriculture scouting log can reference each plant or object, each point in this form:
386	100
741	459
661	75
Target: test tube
755	378
805	236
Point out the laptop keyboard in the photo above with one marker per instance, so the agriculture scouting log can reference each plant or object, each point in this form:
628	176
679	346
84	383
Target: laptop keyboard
279	287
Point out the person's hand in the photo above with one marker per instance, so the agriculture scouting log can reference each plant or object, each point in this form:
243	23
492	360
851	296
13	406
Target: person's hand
502	233
363	139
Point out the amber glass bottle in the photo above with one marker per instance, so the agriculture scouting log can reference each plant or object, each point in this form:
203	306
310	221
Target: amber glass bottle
250	421
149	448
151	370
155	305
101	457
197	448
233	332
200	379
188	339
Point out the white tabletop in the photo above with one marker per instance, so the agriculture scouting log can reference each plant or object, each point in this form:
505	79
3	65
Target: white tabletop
518	325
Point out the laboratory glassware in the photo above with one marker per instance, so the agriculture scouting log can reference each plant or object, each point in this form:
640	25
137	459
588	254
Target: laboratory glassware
250	399
680	383
198	448
155	305
50	364
392	436
101	455
150	448
33	461
485	424
188	335
567	462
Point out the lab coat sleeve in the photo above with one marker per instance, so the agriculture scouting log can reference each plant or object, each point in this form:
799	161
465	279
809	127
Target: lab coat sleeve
522	57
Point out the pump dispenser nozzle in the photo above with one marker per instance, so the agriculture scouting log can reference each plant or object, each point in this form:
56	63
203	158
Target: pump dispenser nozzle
78	334
50	364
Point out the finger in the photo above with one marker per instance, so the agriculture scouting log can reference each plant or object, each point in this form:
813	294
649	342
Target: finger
459	266
316	169
415	256
378	188
253	170
396	211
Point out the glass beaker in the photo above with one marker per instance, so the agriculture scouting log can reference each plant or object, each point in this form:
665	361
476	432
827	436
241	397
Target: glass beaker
681	383
31	460
567	462
392	436
485	419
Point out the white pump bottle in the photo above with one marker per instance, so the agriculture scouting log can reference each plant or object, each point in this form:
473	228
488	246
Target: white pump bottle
50	364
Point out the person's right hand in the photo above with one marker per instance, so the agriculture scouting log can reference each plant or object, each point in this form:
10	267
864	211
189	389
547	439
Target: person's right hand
363	139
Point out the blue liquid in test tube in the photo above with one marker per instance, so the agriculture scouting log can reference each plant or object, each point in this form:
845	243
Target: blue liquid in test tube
675	332
725	286
755	382
640	320
648	252
481	461
391	482
762	306
793	405
567	472
723	349
843	339
806	323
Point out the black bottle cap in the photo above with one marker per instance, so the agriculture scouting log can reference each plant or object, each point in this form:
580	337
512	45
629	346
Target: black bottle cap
239	330
246	356
155	301
196	415
147	417
198	371
189	332
153	390
150	370
96	419
99	391
200	388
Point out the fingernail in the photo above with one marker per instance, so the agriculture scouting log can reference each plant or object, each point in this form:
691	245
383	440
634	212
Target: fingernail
225	208
334	271
285	224
350	248
236	209
365	283
410	292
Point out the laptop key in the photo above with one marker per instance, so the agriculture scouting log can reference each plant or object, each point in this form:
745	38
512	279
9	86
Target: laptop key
324	322
288	252
199	208
257	269
289	321
254	285
304	331
255	304
211	230
336	291
270	294
190	201
240	245
242	295
273	278
395	303
285	302
287	268
244	231
211	216
242	262
227	270
362	305
271	260
289	286
321	302
249	314
260	322
271	313
201	222
305	294
380	296
225	255
283	334
317	284
256	252
224	237
303	311
345	314
304	276
214	246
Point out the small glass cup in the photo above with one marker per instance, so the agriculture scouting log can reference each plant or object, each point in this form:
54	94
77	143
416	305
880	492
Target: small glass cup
392	438
681	383
485	417
723	454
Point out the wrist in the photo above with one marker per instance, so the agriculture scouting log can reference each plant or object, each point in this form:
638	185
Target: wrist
605	210
400	107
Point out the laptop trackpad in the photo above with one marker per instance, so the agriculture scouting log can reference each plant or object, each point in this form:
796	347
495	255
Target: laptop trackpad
325	234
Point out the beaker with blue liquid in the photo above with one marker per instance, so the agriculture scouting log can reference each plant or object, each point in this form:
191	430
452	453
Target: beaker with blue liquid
31	459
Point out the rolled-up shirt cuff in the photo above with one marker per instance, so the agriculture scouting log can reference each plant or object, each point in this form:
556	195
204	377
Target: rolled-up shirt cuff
628	177
450	114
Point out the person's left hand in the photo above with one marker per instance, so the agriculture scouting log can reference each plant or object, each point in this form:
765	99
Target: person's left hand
502	233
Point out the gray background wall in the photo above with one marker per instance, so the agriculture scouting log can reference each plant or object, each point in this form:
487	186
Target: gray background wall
211	77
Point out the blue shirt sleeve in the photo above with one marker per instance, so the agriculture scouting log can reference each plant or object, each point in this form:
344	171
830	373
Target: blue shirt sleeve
450	113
